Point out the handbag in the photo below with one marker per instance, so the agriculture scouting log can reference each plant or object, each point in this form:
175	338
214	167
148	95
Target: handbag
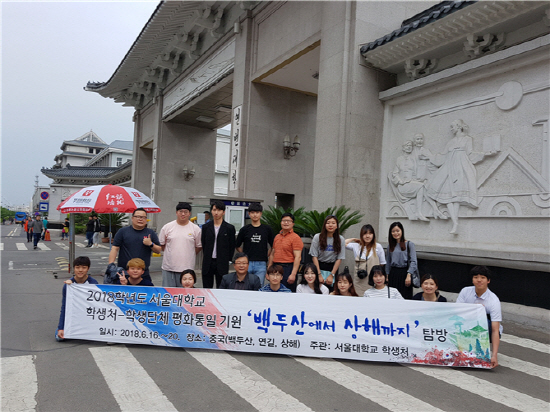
415	275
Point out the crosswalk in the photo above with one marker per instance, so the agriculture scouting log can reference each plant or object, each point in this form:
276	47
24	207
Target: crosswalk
44	246
256	380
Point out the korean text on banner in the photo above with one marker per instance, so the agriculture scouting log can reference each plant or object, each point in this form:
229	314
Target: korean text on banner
450	334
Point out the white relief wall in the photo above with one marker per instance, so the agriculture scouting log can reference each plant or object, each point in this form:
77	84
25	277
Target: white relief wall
466	161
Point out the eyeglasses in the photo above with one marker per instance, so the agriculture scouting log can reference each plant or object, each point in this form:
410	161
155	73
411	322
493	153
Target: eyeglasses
241	263
140	217
287	221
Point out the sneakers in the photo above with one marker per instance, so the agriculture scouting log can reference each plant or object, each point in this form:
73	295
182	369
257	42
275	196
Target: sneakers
35	247
57	338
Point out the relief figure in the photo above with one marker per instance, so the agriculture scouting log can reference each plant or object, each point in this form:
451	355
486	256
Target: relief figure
455	183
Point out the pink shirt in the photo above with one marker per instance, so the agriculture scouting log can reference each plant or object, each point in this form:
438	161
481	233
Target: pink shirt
180	243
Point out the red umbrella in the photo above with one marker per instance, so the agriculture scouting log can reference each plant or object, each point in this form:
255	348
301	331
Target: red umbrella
103	199
107	199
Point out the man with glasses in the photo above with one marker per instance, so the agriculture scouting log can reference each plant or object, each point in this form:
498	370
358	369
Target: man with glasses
287	251
181	241
240	279
135	241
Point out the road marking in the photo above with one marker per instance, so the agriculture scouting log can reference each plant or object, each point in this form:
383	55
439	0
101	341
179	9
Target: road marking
369	388
259	392
62	245
1	246
526	343
10	265
483	388
130	384
19	383
42	246
524	366
21	246
79	244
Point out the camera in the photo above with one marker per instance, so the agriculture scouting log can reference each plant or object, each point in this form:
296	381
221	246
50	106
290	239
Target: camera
362	274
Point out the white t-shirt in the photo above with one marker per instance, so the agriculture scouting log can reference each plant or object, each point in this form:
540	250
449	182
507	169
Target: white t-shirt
306	289
356	247
489	300
382	293
179	246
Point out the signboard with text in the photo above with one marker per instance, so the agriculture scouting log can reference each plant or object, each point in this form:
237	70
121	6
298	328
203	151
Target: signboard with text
449	334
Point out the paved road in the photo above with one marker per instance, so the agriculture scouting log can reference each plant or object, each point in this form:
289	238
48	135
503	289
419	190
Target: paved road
40	374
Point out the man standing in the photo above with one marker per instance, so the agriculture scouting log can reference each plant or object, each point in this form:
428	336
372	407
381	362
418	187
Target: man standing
135	241
97	230
287	251
36	227
257	239
241	279
45	226
181	241
218	244
480	293
90	231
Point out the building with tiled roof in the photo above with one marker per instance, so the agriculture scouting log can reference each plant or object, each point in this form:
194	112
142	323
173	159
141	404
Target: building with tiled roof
80	150
114	155
434	114
85	161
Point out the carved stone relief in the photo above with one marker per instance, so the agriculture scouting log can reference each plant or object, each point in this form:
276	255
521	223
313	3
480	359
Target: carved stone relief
417	68
477	45
447	178
427	185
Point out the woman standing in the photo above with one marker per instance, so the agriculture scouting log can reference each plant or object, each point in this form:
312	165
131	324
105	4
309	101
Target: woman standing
367	254
401	260
327	250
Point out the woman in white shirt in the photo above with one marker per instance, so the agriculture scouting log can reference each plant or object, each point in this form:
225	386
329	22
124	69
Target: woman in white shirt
379	279
310	281
367	254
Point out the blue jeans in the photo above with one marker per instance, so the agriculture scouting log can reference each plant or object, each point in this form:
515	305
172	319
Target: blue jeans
89	237
258	268
36	238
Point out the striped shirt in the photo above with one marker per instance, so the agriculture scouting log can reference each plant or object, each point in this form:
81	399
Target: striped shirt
382	293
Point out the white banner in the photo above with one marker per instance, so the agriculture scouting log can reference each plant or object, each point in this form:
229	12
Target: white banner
451	334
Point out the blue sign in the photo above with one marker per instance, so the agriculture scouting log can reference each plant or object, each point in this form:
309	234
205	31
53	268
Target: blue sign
44	206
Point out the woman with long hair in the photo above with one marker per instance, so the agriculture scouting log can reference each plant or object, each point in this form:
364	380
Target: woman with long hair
344	285
310	281
367	253
327	250
430	290
401	260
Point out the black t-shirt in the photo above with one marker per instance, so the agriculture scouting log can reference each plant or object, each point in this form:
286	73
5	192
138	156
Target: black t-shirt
130	242
255	241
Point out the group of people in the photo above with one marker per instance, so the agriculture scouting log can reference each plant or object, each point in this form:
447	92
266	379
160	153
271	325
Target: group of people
272	263
35	229
93	227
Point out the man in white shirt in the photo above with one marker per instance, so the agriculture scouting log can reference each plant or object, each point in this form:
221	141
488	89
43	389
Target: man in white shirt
480	293
181	241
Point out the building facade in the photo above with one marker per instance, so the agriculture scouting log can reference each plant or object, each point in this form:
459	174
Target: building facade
431	113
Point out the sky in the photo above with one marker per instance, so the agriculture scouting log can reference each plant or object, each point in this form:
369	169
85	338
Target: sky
50	50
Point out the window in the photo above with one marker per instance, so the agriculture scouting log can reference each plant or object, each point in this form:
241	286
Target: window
119	161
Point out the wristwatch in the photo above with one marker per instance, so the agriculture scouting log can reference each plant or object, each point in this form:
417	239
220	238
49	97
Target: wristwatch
151	245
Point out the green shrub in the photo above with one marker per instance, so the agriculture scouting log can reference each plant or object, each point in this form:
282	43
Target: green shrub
308	223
